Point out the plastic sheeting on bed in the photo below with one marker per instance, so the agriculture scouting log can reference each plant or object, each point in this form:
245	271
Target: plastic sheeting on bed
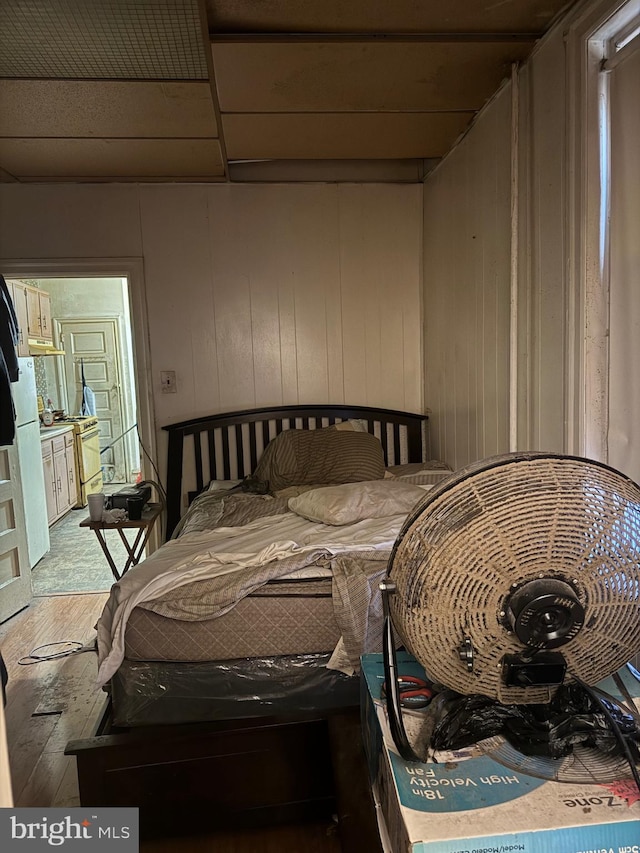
167	692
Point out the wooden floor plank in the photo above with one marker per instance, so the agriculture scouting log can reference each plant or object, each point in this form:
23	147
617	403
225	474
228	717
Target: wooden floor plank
26	742
44	781
35	781
67	795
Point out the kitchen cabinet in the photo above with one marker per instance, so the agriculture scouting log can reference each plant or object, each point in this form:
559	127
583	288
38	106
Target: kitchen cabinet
59	468
39	314
19	299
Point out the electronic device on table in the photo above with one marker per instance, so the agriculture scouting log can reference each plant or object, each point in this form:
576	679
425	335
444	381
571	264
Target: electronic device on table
118	500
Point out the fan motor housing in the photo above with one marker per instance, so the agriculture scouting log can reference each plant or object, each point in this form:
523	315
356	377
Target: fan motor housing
545	613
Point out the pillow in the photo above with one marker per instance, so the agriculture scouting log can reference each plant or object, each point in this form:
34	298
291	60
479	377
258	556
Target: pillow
353	424
356	501
420	473
299	457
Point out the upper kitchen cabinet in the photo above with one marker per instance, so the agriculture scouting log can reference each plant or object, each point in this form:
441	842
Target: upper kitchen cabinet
33	309
19	296
39	314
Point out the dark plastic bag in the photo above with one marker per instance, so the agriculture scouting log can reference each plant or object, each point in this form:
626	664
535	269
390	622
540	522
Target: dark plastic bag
572	717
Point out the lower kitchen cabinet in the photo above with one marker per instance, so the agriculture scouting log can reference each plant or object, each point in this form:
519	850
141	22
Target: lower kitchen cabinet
59	474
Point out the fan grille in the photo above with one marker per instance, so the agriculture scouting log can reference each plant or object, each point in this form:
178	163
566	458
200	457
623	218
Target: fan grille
496	525
583	765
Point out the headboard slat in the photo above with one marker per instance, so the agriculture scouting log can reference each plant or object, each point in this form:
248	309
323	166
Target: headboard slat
253	451
211	440
225	454
396	443
239	453
197	452
384	439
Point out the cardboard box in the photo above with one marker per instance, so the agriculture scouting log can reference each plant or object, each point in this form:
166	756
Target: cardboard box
476	805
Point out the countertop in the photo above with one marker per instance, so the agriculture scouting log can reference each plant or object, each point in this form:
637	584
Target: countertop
55	429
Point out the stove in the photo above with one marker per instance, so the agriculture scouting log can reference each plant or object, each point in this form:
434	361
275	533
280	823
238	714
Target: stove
81	423
87	455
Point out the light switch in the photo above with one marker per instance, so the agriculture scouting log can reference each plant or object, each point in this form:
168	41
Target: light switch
168	381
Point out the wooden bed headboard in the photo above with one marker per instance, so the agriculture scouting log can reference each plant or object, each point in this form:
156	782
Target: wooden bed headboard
228	445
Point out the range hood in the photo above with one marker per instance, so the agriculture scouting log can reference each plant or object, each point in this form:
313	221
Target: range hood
40	347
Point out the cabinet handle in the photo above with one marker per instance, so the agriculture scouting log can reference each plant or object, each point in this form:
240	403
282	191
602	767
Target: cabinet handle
53	483
44	322
59	484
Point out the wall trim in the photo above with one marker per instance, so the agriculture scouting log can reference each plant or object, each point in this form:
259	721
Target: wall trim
514	261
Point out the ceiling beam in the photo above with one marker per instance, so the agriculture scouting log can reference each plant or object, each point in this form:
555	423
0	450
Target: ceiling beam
358	38
213	88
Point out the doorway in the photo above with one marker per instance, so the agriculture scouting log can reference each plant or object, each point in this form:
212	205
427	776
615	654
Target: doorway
92	325
95	355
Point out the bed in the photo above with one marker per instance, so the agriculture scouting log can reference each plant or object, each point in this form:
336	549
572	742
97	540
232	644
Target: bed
276	659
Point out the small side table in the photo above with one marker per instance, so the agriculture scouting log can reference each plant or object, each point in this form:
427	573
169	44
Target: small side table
144	527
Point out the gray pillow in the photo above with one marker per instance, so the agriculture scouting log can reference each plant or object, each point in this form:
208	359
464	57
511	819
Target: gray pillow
301	457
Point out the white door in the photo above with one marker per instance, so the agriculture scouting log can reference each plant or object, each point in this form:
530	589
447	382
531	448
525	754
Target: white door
15	573
95	344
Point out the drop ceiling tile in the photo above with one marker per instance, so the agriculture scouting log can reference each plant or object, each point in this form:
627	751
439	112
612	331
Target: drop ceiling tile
342	135
366	16
105	109
72	39
127	159
315	77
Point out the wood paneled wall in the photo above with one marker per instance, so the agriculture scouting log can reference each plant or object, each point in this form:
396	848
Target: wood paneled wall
285	294
543	250
467	260
466	292
256	295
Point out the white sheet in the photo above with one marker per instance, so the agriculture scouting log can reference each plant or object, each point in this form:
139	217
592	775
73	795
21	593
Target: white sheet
197	556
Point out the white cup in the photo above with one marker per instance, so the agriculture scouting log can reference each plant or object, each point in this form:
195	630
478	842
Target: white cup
96	506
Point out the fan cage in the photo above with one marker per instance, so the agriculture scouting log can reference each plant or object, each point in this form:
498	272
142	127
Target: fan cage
489	529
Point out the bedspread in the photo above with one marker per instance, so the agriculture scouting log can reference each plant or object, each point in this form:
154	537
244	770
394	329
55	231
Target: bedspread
234	561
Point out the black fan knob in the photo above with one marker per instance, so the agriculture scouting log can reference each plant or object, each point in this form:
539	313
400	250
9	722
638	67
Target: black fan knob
545	613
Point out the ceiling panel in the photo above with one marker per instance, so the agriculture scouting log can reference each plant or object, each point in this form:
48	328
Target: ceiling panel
342	135
141	90
133	39
112	159
383	16
107	108
291	77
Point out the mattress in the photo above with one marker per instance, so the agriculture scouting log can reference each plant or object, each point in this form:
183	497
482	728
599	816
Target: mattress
283	617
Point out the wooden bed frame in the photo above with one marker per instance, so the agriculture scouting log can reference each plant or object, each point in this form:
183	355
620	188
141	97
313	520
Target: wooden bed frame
243	772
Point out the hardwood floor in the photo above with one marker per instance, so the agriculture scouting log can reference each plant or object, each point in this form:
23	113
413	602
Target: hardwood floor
52	702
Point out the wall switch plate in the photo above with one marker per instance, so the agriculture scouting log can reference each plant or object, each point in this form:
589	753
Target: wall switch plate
168	381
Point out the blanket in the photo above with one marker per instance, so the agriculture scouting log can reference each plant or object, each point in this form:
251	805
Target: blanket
235	561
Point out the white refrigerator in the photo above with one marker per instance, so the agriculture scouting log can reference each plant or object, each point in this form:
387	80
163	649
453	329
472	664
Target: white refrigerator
30	460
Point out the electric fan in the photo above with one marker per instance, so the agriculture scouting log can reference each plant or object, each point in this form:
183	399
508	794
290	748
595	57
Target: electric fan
514	579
